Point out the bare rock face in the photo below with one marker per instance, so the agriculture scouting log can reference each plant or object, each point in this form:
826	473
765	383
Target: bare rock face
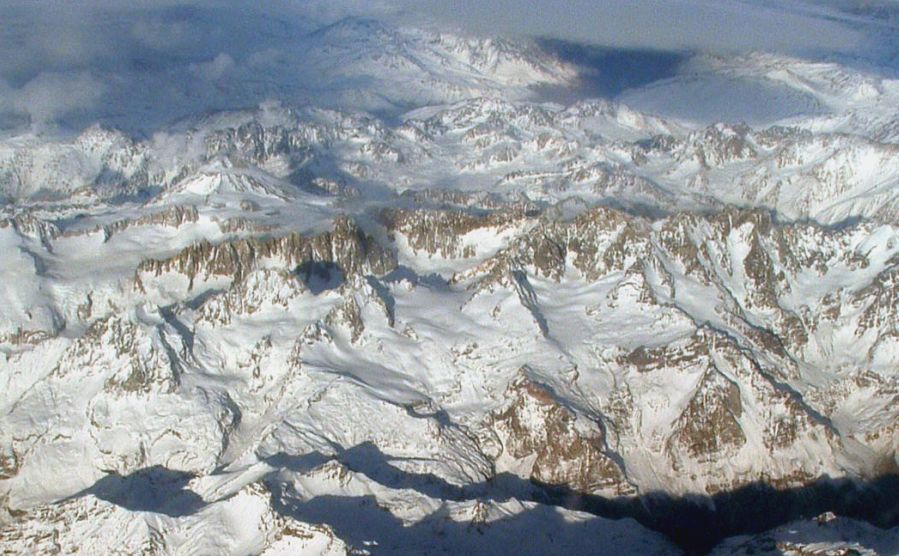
258	290
676	240
346	246
253	142
721	418
348	315
440	232
880	300
633	289
28	225
681	355
134	358
26	337
595	243
9	462
709	427
719	144
173	216
565	449
762	270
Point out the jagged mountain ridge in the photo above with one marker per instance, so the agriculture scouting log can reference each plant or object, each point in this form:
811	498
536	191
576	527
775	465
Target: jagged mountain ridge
302	314
599	151
754	374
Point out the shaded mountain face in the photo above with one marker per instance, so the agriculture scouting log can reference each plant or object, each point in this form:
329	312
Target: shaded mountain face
492	323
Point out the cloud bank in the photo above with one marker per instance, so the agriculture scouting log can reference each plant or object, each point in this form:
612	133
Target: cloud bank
141	65
718	25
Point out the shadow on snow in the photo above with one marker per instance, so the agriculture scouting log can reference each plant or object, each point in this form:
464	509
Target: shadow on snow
695	523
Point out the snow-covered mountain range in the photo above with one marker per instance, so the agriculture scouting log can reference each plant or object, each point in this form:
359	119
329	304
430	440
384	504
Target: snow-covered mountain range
490	324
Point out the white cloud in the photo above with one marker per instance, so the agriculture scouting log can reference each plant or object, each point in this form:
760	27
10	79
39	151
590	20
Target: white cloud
214	69
52	95
721	25
142	64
